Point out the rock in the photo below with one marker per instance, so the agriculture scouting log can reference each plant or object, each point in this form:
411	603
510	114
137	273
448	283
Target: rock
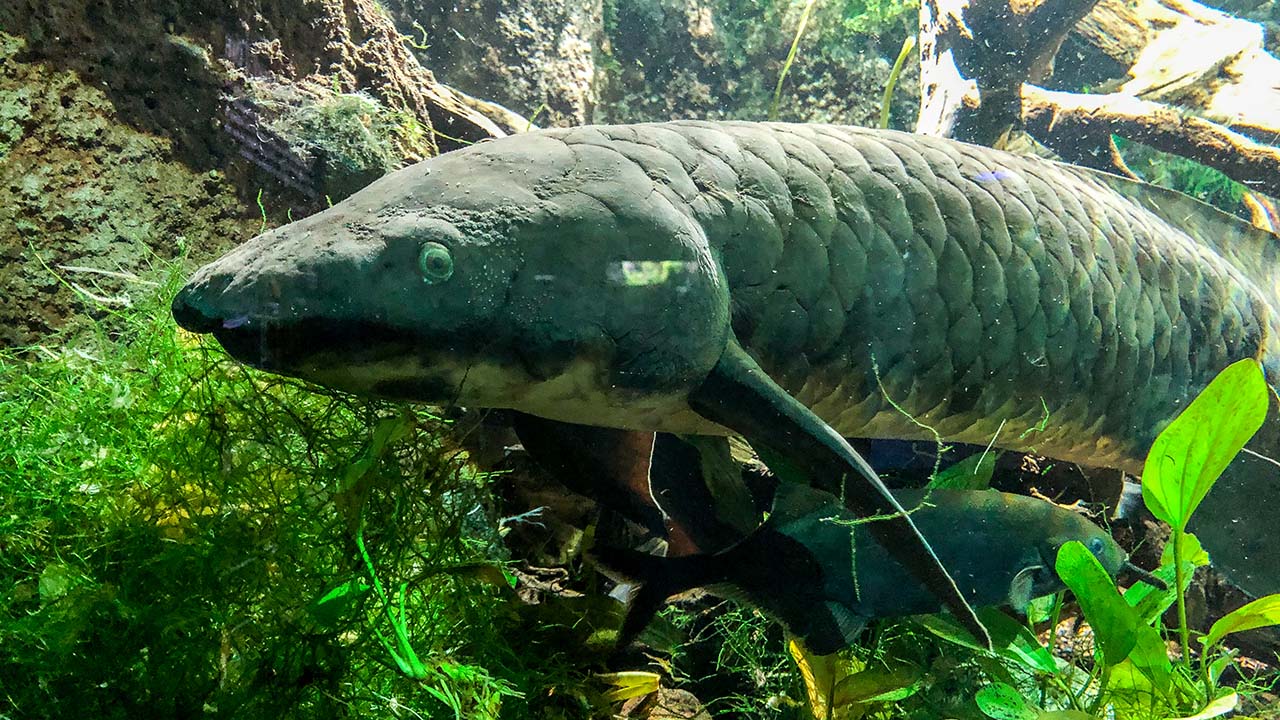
537	57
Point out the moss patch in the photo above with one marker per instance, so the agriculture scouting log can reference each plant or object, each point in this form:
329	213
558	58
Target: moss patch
80	188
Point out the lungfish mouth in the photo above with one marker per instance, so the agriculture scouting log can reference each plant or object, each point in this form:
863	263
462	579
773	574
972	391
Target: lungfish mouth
298	345
293	345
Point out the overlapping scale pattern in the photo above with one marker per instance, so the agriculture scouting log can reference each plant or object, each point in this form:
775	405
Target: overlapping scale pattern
974	289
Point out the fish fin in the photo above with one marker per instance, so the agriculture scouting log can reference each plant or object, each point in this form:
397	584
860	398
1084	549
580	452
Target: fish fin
659	578
739	395
1234	521
1253	250
849	623
678	483
722	476
847	626
1022	586
606	465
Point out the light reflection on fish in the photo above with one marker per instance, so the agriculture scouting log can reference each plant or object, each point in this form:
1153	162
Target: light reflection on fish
994	176
635	273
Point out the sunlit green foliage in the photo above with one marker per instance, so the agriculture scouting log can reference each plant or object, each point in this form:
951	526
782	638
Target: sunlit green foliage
178	538
1178	173
879	17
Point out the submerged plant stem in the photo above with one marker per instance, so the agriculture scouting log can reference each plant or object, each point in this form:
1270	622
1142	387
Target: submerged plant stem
1184	633
791	57
908	45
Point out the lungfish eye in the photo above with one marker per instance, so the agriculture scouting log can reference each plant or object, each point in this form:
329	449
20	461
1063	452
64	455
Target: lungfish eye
1096	546
435	263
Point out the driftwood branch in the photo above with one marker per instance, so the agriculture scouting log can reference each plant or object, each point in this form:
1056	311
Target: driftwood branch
1199	82
1062	120
1182	53
991	49
355	46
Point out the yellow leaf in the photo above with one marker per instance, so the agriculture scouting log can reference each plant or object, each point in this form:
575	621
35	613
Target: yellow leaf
822	673
629	684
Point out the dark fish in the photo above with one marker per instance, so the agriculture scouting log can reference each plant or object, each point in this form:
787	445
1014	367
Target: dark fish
814	567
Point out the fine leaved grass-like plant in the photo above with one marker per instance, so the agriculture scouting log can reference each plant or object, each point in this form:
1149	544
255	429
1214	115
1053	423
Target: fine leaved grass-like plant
181	535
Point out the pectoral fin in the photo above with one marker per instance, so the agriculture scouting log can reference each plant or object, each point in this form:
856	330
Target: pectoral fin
1022	587
608	466
684	479
848	622
739	395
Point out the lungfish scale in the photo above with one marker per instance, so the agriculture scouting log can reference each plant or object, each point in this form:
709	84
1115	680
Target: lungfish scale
651	277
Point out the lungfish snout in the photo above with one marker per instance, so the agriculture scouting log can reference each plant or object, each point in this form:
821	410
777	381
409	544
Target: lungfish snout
192	315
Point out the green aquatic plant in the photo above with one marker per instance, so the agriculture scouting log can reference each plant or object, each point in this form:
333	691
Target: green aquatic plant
1182	174
178	536
1128	673
1192	452
791	57
908	45
1131	675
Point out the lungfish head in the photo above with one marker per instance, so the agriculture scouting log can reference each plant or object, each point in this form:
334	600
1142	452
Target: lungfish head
516	273
1059	527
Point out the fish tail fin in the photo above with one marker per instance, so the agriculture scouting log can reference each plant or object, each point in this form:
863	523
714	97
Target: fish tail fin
1234	519
659	578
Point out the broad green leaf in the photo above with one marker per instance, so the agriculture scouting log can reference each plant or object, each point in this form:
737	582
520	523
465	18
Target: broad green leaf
948	629
999	701
1151	656
1149	601
1114	623
1259	613
1189	455
1131	692
1192	551
1219	707
1013	641
1010	639
1217	667
1041	608
629	684
879	685
971	473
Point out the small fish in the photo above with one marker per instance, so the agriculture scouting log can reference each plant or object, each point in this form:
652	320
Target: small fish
235	322
815	567
994	176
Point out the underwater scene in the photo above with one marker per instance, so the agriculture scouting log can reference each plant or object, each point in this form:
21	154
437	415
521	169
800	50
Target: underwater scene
647	359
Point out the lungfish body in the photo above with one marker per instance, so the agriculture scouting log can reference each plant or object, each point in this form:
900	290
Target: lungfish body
790	283
816	570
